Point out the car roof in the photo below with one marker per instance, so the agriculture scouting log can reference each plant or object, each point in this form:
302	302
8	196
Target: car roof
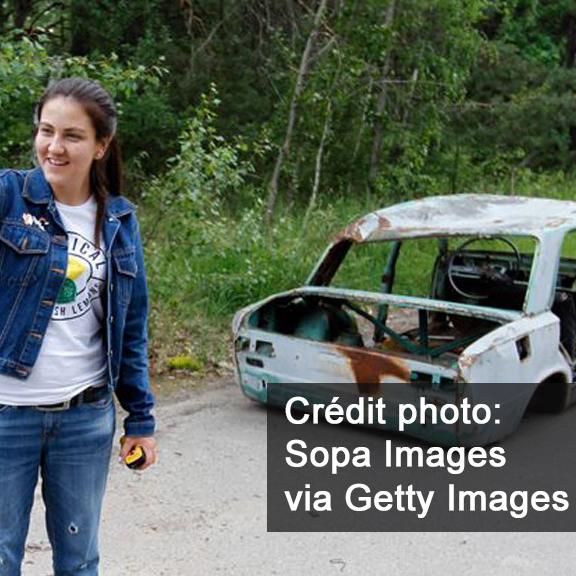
464	214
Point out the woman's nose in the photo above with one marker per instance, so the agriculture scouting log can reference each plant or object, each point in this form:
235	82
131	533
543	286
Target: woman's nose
55	145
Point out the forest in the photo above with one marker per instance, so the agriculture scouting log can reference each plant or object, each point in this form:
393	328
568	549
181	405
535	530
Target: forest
253	130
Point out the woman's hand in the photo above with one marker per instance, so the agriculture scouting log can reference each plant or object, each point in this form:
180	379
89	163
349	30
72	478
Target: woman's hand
147	443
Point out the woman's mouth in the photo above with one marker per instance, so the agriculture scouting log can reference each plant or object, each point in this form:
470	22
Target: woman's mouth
56	162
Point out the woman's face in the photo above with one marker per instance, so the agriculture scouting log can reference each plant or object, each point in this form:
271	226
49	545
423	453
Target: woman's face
66	146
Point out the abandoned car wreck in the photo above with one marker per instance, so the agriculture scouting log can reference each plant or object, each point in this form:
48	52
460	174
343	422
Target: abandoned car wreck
435	297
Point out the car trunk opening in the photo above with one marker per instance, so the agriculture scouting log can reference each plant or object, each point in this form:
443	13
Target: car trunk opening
318	334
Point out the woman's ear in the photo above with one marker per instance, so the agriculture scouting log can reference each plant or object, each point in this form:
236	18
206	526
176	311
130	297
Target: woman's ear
102	148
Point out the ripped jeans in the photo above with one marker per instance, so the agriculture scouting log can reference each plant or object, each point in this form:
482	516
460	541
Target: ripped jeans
71	449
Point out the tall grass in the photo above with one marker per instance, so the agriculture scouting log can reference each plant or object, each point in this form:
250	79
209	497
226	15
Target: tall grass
201	270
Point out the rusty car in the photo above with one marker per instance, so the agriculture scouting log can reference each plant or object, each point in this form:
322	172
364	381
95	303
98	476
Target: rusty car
435	297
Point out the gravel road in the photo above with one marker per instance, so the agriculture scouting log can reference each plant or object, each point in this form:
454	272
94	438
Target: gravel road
202	511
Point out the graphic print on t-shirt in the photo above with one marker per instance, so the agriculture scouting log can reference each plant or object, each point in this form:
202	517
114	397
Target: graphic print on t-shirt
84	282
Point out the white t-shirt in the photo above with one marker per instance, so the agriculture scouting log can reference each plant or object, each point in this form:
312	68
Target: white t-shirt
72	356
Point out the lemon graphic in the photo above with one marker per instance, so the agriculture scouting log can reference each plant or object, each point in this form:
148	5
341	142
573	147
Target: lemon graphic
74	270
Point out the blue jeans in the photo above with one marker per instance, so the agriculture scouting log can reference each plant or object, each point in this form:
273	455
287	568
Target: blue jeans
72	450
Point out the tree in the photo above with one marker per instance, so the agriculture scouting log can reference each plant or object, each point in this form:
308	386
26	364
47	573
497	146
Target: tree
520	112
293	112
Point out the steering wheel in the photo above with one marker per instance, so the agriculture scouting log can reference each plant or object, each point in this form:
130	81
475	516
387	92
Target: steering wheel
484	271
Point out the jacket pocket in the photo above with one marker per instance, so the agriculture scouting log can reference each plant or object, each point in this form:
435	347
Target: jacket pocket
127	269
21	248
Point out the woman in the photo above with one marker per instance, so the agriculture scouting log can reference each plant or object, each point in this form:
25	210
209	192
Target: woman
73	304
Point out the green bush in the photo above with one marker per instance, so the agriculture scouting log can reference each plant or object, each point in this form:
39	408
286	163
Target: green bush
26	67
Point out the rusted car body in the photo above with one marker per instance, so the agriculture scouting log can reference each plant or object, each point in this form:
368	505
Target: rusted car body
497	308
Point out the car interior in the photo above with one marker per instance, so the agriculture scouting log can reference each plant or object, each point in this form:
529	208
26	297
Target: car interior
491	272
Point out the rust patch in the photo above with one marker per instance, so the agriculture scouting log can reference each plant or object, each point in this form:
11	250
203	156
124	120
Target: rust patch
354	231
351	232
383	222
370	367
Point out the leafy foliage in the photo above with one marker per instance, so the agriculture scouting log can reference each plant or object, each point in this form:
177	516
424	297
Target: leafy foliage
26	67
520	109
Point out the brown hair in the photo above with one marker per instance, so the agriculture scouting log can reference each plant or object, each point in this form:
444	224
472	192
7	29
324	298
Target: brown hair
105	173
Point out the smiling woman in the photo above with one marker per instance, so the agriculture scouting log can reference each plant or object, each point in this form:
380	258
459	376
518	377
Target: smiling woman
66	146
73	308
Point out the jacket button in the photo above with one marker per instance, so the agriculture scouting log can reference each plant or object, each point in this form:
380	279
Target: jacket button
111	287
111	319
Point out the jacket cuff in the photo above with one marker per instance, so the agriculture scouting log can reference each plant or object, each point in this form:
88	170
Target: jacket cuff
139	426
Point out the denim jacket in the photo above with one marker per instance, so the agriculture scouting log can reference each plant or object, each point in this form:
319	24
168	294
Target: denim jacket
33	261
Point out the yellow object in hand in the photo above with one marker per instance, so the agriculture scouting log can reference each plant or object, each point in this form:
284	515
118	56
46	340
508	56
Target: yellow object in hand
135	458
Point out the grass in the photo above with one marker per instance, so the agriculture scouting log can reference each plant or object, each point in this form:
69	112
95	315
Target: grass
201	271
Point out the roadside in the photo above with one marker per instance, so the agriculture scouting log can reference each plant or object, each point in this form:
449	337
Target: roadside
202	511
177	386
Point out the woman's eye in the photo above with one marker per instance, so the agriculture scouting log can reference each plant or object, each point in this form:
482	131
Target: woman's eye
73	137
45	131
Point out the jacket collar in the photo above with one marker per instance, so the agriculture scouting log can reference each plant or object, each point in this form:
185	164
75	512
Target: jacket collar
37	190
118	206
